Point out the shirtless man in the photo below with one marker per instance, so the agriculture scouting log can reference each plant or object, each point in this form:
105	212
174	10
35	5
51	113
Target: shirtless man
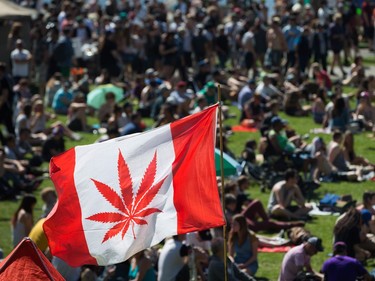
283	194
276	45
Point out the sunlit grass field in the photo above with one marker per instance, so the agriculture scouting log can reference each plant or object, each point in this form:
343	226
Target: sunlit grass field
269	263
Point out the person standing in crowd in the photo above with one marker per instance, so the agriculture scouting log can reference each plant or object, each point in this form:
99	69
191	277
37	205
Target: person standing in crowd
297	260
63	52
342	267
260	40
303	50
62	99
6	100
320	45
21	61
276	45
336	34
248	44
292	33
168	50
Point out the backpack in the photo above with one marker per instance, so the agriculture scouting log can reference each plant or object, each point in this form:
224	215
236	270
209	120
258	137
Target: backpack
336	203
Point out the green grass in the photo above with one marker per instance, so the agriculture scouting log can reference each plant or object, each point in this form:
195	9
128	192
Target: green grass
321	226
269	263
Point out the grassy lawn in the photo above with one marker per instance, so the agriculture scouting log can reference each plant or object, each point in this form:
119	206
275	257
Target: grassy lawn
269	263
321	226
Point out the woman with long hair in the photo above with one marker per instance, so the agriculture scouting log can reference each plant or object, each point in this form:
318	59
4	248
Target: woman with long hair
318	105
351	156
339	116
243	245
348	230
22	220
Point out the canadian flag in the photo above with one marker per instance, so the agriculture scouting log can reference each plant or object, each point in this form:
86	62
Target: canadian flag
119	197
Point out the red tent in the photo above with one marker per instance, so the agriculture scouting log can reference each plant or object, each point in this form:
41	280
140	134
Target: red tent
27	262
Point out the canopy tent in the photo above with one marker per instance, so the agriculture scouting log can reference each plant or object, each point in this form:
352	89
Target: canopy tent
12	11
231	166
9	13
27	262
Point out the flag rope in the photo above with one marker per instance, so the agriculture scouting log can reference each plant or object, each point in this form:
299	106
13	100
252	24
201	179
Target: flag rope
222	181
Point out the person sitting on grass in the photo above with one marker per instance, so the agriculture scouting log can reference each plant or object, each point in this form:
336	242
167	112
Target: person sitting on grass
348	230
336	156
296	261
216	266
351	157
62	99
253	210
368	201
342	267
283	194
243	246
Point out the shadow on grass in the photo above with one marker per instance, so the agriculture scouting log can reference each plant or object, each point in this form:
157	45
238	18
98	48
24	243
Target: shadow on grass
261	279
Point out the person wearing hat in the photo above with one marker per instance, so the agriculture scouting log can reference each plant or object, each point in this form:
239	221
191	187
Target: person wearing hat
298	259
21	59
342	267
278	138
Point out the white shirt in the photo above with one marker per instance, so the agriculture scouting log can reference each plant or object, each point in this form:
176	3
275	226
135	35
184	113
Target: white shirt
170	261
267	91
20	69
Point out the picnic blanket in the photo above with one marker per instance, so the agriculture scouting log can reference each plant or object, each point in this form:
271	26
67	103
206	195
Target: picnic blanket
276	249
240	128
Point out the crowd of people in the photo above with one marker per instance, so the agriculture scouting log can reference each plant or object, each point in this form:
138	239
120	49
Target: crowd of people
168	60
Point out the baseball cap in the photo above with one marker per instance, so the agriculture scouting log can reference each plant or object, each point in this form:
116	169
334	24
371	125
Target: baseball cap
316	242
251	81
366	216
339	246
278	120
181	84
150	71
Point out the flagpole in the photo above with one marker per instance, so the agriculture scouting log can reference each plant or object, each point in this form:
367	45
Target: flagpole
222	181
